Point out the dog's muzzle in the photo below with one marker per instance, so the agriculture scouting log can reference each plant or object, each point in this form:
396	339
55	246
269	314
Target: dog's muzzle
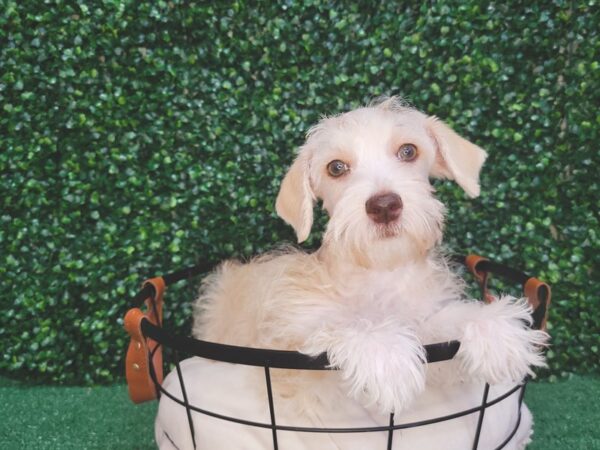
384	208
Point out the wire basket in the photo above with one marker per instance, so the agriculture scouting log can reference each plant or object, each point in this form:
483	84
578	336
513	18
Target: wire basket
144	361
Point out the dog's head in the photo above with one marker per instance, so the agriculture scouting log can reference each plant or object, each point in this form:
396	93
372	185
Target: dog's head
371	169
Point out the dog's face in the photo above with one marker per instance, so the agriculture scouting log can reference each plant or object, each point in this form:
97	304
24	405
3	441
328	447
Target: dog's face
371	169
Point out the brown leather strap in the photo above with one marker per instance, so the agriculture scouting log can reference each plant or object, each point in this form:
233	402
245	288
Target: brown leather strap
538	292
137	370
472	263
140	385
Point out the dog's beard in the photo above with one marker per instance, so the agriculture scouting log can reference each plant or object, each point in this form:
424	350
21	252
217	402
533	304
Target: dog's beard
352	234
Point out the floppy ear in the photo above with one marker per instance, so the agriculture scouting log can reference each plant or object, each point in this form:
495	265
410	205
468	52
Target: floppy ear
296	198
456	158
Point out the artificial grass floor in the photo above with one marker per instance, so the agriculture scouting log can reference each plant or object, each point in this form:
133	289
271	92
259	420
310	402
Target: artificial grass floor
567	416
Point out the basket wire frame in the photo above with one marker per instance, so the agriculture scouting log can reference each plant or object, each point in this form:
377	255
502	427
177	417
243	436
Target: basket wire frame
162	337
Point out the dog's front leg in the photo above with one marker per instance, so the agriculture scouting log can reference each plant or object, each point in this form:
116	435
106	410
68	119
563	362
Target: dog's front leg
497	343
380	358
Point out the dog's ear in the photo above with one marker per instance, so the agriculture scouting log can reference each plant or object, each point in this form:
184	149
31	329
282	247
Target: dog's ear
296	198
456	158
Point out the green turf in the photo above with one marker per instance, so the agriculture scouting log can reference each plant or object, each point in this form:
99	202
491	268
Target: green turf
43	417
567	415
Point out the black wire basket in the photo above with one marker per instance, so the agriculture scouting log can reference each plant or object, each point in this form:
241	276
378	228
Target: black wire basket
144	362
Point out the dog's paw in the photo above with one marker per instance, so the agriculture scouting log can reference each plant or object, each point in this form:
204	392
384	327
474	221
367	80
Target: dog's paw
382	364
499	345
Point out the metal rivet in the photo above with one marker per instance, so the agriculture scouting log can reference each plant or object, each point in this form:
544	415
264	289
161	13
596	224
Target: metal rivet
136	366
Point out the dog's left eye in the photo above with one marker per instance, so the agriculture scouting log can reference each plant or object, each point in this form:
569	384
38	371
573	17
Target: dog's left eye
337	168
407	152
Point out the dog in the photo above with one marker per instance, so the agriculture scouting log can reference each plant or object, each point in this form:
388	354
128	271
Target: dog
371	296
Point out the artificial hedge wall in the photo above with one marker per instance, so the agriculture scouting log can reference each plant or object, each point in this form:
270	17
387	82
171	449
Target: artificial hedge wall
139	137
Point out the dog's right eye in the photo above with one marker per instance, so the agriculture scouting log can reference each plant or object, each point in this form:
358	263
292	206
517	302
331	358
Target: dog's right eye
337	168
407	152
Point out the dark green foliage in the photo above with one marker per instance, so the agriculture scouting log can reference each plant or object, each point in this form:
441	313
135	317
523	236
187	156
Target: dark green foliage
140	137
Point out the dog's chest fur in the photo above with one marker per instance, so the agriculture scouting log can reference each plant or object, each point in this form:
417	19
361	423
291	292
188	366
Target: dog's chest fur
411	290
277	299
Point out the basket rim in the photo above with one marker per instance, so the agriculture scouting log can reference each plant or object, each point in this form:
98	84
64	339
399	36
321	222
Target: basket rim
479	266
261	357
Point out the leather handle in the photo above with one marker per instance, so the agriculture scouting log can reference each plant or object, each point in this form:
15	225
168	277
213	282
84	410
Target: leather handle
137	370
472	262
539	295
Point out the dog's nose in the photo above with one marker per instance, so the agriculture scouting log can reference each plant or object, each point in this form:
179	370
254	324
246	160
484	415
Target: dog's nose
384	208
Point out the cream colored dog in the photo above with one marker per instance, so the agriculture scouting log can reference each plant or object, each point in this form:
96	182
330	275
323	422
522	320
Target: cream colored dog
373	294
